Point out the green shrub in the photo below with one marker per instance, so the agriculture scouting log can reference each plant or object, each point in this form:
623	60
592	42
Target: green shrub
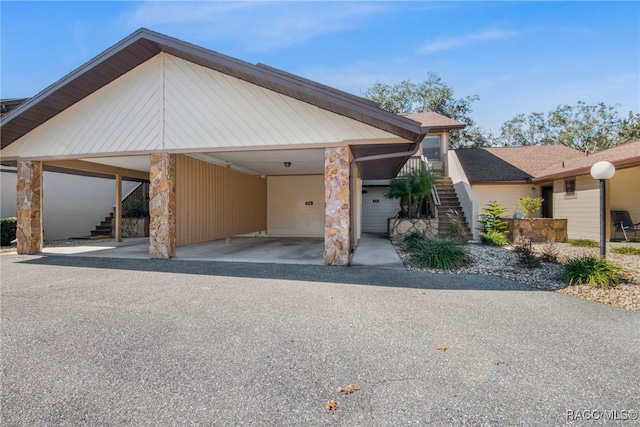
585	243
443	254
494	238
626	250
593	271
491	218
135	208
413	241
530	206
7	230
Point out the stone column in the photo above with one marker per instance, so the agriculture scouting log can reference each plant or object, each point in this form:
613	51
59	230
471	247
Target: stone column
29	208
336	205
162	206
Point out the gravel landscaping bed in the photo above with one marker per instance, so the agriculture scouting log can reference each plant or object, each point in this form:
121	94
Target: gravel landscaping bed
504	262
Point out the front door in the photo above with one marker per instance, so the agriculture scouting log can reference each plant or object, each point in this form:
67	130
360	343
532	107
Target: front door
547	202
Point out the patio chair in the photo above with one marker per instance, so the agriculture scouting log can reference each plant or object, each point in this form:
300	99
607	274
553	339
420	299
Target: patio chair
622	222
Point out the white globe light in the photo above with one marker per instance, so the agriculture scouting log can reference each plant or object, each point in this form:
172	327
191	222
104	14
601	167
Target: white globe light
602	170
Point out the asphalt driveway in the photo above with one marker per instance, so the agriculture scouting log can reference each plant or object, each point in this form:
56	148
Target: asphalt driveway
100	341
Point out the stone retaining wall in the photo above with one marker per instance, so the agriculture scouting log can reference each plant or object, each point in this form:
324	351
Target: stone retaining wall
399	227
135	227
538	229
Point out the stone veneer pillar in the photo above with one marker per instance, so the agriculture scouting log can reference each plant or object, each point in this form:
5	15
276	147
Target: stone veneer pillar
29	207
337	201
162	206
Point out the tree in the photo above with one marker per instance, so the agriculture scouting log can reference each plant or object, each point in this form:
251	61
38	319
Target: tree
585	127
411	190
434	95
630	128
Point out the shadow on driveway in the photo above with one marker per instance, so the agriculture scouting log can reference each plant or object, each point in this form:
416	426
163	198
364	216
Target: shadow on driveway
310	273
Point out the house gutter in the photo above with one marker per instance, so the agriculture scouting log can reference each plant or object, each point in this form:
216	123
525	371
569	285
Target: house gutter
352	167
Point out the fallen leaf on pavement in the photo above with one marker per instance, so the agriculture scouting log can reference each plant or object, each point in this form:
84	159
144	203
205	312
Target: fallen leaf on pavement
348	389
500	362
442	348
291	340
332	405
422	292
353	325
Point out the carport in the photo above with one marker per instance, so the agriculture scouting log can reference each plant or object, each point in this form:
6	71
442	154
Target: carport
229	148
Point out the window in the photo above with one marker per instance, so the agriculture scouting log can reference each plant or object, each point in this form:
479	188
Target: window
570	187
431	147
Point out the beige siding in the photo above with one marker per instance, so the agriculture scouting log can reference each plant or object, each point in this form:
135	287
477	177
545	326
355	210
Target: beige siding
508	195
125	115
582	210
214	202
205	108
625	192
287	211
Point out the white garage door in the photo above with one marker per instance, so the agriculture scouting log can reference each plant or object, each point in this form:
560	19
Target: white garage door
376	209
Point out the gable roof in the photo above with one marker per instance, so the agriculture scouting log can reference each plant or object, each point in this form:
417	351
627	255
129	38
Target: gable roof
144	44
624	155
435	121
511	164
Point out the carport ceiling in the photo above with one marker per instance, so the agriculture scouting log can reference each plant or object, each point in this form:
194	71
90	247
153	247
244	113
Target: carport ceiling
272	162
266	162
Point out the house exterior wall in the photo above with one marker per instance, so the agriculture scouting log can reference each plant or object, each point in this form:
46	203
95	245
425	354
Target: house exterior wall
215	202
625	192
287	211
508	195
582	210
206	108
93	197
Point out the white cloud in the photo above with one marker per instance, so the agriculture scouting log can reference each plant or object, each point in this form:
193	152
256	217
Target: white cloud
259	26
466	40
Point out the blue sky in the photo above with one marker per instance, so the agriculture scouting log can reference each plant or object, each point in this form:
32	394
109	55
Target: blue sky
518	57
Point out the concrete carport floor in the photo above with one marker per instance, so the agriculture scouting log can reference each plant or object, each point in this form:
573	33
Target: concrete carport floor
373	250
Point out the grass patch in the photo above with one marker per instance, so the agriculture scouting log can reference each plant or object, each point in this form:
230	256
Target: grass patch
626	250
444	254
593	271
585	243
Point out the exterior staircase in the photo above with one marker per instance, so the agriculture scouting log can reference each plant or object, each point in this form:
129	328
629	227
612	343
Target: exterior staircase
104	230
448	202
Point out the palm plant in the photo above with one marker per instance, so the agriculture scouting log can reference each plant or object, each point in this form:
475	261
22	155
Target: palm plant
411	190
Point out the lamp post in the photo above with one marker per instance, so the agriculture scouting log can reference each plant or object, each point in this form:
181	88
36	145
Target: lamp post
603	171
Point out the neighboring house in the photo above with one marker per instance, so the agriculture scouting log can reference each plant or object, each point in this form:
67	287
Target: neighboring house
228	147
558	174
376	209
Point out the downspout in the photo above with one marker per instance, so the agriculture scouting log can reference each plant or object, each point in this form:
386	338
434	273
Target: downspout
410	153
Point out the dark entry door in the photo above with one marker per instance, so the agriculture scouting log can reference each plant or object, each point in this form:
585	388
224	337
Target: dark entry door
547	202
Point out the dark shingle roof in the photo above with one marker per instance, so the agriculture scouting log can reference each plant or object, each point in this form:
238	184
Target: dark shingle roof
511	164
621	156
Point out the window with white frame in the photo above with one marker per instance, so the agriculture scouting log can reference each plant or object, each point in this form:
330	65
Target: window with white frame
431	147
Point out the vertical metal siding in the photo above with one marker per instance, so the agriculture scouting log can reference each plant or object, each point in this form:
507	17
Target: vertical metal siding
214	202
